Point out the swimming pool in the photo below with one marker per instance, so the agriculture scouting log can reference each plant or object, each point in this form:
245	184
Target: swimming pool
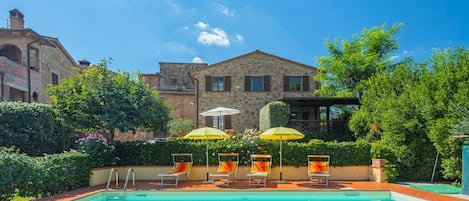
342	195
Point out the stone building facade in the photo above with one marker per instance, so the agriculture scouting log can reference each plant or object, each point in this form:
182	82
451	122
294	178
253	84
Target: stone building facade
176	87
29	62
247	82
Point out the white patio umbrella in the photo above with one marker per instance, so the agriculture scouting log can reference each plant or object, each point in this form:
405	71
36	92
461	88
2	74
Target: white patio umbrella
219	112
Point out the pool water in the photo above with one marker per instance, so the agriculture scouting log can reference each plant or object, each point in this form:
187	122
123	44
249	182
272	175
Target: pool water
248	196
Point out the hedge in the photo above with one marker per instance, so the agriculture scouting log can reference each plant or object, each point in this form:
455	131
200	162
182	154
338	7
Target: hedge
42	176
29	127
294	153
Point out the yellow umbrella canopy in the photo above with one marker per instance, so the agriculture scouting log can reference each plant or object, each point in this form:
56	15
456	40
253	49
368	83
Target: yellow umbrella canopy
281	133
206	133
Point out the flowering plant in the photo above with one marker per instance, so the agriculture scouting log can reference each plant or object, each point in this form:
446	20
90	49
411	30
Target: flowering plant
101	153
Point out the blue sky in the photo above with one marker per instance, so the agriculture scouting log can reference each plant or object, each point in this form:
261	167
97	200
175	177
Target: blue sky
138	34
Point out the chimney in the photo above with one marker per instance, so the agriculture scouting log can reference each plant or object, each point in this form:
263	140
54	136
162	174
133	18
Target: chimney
83	63
16	19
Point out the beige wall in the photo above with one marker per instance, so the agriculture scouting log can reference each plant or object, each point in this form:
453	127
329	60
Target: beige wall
249	103
51	59
183	104
343	173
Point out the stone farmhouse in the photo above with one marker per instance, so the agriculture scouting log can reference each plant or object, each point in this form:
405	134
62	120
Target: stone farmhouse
29	62
247	83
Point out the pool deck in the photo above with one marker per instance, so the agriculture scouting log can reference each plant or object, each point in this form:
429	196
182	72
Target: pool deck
271	185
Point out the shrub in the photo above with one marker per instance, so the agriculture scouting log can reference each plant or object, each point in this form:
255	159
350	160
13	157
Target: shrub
245	144
100	152
41	176
29	127
274	114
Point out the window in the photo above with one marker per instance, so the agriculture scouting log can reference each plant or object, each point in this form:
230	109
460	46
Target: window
220	122
218	83
257	83
296	83
17	95
215	122
55	79
34	58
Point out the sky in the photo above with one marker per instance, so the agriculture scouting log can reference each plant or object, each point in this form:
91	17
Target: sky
135	35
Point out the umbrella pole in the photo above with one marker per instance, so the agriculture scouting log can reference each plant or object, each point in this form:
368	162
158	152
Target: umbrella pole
206	170
281	180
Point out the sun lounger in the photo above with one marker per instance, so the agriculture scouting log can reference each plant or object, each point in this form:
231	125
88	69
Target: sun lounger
227	166
318	169
260	170
182	164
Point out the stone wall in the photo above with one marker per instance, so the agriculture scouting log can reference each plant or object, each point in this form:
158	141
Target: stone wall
51	59
249	103
175	76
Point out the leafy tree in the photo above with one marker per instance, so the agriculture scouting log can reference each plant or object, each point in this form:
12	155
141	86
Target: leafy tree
447	105
342	74
390	113
98	99
413	108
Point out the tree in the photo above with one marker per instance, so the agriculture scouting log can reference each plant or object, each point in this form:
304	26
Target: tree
415	108
96	99
342	74
391	114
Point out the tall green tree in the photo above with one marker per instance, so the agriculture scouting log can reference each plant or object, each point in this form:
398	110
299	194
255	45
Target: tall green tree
391	114
415	109
96	99
350	63
444	109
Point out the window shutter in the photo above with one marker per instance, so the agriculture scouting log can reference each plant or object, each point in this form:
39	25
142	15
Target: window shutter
209	121
247	83
208	83
227	83
227	120
305	83
267	83
286	86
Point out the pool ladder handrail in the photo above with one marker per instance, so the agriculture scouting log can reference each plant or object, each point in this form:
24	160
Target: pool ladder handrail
110	177
130	170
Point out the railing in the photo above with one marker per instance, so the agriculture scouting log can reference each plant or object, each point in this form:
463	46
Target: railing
310	127
130	170
110	177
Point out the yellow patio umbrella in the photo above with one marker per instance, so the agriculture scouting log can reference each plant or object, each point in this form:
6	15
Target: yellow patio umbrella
281	133
206	133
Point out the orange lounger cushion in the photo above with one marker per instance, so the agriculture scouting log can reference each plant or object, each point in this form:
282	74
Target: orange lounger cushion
260	168
318	168
180	167
227	167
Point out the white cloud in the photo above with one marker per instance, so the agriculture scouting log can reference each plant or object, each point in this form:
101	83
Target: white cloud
225	10
394	58
408	52
202	25
197	60
239	38
216	37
